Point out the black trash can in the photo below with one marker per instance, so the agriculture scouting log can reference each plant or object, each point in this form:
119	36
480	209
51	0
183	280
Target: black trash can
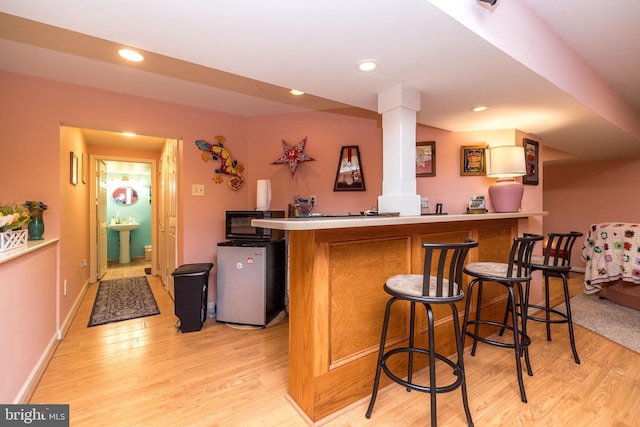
191	283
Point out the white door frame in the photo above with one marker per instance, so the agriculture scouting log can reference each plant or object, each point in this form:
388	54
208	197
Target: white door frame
93	252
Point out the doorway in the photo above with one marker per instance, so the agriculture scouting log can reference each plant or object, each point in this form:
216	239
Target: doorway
111	149
124	202
104	210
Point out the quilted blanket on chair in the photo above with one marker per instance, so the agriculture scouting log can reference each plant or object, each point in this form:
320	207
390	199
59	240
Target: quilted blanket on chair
612	252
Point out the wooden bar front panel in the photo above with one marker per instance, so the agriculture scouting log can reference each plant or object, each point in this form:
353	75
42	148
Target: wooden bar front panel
337	302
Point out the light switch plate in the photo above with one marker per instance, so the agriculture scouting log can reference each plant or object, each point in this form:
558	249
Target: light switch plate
197	190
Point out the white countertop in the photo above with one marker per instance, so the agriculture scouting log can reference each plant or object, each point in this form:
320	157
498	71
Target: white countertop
32	245
320	223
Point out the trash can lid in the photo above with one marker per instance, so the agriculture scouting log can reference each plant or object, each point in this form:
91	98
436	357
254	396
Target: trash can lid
192	269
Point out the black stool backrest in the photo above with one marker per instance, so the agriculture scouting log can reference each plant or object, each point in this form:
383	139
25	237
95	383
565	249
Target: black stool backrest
445	262
557	251
520	255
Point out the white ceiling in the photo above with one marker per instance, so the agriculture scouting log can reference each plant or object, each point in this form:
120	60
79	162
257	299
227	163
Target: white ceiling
565	71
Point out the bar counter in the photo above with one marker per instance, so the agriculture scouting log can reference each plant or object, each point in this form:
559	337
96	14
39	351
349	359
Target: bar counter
337	267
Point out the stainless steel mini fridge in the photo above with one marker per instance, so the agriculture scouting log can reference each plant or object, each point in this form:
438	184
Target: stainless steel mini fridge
251	281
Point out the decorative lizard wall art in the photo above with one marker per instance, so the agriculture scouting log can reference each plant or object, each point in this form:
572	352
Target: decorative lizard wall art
228	166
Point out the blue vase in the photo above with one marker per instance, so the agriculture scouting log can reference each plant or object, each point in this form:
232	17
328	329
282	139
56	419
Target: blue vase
36	225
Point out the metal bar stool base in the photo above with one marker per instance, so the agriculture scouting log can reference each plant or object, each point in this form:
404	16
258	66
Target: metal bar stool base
553	316
440	288
521	340
432	388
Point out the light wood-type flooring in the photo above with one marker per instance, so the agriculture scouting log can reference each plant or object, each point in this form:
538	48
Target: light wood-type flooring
144	372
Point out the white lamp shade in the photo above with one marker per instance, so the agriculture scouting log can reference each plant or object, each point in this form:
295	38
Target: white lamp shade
505	161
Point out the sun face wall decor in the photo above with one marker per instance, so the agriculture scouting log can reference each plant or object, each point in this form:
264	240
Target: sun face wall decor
293	155
228	166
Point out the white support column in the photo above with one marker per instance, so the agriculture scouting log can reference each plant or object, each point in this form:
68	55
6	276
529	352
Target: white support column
398	106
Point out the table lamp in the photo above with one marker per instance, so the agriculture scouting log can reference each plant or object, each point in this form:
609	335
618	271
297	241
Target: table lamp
506	162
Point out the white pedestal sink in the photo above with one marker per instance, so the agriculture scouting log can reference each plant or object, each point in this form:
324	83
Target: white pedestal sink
125	230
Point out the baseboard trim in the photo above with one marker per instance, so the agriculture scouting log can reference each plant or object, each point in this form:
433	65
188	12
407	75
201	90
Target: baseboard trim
64	328
29	385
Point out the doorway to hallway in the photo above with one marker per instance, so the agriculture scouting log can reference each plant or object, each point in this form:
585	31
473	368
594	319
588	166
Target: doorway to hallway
160	155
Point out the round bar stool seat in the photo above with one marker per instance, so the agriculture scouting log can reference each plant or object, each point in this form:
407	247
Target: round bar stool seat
440	284
510	275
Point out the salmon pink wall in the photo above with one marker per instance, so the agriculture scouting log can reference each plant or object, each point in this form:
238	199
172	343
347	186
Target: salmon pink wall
580	194
326	133
74	226
28	316
448	187
451	189
30	149
204	216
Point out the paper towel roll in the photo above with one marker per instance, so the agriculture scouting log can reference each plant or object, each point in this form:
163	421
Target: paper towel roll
263	197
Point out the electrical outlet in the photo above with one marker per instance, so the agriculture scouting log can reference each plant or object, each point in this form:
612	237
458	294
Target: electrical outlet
197	190
424	203
313	200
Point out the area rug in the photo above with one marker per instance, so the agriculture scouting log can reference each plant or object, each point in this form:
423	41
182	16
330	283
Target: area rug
123	299
613	321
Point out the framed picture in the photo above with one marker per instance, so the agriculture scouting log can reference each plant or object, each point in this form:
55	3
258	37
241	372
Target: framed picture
531	161
349	176
85	168
426	158
73	163
472	160
477	202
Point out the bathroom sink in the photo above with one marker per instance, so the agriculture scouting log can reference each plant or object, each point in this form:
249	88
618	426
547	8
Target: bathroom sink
124	230
124	227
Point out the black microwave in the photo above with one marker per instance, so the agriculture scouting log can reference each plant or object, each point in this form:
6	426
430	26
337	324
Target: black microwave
238	225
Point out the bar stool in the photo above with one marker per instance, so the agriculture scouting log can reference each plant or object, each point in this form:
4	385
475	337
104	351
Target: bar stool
440	283
555	262
510	275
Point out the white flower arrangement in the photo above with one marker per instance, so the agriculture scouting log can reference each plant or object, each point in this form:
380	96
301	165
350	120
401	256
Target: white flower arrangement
13	217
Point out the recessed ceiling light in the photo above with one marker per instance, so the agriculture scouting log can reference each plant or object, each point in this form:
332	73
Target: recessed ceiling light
296	92
479	108
130	55
367	65
128	134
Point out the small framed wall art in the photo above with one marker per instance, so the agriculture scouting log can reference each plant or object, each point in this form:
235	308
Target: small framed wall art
426	158
73	168
349	176
85	168
472	160
531	161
